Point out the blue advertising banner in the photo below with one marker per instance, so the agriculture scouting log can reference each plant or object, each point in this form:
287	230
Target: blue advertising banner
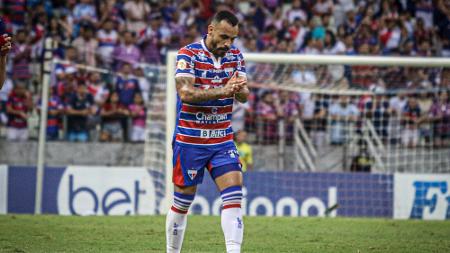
306	194
85	190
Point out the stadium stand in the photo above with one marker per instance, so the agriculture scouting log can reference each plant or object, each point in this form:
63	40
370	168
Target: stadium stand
127	36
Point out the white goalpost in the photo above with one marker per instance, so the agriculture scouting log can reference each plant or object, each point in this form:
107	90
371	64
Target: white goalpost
298	151
304	154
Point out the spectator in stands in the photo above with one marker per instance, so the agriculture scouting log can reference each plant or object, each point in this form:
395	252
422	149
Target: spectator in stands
21	57
439	115
17	108
154	39
97	88
86	45
108	39
127	52
144	83
378	111
268	110
55	110
127	85
307	110
136	11
79	108
112	113
244	149
289	106
296	12
319	126
425	131
363	161
112	10
84	13
138	113
410	123
363	77
343	115
67	84
397	104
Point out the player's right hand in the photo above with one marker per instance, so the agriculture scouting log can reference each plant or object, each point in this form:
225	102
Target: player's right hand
234	85
6	45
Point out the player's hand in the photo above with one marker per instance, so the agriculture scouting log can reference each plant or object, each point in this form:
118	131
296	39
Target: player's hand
6	47
234	85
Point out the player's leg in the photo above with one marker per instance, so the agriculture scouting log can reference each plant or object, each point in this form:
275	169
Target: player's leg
228	178
176	220
230	186
188	170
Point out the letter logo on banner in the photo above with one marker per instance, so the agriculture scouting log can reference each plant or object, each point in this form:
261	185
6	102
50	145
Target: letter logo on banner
422	201
106	191
421	196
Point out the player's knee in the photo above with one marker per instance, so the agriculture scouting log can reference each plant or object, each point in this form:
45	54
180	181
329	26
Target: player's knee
182	202
231	197
189	190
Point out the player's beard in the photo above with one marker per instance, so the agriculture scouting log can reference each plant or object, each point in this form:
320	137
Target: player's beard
219	51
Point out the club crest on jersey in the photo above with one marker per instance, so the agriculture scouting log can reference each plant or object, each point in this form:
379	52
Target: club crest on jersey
192	173
182	64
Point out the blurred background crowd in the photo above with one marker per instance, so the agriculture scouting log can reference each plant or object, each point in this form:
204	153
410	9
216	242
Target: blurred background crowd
125	36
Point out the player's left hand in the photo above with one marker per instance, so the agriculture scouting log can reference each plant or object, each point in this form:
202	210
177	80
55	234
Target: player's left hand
6	47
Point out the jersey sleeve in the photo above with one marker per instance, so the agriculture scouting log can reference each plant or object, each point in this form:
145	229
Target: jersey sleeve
185	63
241	66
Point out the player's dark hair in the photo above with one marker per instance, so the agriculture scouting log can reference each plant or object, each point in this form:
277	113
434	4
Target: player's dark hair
228	16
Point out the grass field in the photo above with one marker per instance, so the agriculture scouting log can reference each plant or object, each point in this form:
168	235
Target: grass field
19	233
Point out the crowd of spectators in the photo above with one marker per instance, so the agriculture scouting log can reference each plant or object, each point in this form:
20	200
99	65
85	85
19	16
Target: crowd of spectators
400	119
121	34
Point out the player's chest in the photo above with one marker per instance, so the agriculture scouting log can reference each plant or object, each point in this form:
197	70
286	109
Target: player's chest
213	73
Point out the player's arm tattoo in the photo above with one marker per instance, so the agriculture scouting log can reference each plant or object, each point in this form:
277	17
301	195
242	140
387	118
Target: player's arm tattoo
188	93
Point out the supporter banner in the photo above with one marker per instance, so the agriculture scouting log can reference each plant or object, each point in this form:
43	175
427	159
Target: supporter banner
84	190
3	188
422	196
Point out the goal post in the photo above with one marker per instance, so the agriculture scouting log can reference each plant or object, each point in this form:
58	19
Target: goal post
382	162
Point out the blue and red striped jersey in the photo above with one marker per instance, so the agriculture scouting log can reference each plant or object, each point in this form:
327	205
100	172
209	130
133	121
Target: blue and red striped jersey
206	124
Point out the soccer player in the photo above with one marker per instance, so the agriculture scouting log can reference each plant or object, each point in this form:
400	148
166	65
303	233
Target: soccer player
210	74
5	47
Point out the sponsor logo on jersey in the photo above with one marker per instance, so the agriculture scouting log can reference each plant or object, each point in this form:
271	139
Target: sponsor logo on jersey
201	116
216	133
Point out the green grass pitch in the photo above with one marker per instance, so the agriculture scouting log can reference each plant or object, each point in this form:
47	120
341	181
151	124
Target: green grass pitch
24	233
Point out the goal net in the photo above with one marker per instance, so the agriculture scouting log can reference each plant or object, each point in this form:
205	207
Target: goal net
329	117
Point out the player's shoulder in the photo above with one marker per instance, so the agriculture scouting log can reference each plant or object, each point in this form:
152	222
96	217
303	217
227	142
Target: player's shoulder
191	49
234	50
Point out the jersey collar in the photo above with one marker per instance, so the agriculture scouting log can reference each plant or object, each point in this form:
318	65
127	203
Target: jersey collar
216	61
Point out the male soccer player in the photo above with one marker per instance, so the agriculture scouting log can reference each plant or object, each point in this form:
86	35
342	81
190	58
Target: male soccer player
5	47
210	74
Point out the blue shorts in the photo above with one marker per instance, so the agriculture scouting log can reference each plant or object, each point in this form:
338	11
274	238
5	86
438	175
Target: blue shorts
189	163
